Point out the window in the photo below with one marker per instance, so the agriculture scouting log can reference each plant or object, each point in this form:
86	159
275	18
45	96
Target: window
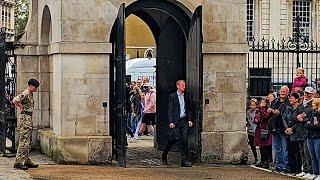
302	8
250	19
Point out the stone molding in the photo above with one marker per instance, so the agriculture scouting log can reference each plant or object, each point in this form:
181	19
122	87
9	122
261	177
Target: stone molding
224	48
66	48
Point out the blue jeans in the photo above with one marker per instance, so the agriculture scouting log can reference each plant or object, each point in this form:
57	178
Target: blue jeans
128	125
314	150
134	122
280	144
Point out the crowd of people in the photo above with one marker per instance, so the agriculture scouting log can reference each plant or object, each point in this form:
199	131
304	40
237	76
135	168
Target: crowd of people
285	126
141	108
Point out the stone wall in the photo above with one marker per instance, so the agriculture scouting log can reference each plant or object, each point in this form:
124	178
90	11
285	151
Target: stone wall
77	79
274	18
69	55
265	18
224	48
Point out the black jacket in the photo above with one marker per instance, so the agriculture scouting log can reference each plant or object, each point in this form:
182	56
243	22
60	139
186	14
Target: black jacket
128	102
281	106
174	108
136	104
314	130
290	120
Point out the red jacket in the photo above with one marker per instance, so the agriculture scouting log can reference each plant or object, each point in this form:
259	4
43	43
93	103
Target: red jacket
262	116
300	81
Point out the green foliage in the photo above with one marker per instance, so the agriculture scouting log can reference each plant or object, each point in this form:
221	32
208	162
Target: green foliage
21	13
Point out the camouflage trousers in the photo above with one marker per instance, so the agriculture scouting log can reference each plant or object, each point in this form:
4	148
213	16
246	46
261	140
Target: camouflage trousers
25	130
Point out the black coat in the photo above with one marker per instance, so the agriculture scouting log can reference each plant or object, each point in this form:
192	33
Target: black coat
314	130
277	119
174	108
290	121
136	104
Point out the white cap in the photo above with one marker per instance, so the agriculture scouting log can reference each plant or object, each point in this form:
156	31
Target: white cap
308	89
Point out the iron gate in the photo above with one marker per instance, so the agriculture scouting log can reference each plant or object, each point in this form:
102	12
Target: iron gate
8	119
273	63
118	90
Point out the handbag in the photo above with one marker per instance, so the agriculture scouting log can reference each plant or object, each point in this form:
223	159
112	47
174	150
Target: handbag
264	134
173	134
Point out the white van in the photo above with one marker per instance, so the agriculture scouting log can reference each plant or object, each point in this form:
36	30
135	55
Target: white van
142	67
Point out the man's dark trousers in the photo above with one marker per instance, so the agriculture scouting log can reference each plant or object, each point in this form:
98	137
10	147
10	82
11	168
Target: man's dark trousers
183	140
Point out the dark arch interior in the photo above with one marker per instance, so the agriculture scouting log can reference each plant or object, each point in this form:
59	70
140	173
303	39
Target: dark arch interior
169	22
170	25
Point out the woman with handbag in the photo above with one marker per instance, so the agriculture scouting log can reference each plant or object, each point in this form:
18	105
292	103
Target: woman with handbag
263	137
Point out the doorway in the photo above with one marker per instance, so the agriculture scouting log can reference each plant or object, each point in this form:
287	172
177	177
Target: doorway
178	37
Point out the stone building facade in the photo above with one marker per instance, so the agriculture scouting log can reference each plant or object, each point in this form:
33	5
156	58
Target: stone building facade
68	47
275	19
7	17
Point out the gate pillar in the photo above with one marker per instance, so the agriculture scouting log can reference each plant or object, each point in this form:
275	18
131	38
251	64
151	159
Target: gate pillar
224	88
68	51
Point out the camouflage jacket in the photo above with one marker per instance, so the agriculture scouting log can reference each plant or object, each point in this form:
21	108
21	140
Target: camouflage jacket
26	99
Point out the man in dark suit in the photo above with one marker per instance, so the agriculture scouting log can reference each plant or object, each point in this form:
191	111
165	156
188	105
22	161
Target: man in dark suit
179	116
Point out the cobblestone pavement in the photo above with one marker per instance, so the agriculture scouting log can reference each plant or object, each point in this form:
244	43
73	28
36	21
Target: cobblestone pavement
142	153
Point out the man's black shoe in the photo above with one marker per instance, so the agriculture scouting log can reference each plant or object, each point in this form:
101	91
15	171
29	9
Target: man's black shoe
186	164
31	165
20	166
164	159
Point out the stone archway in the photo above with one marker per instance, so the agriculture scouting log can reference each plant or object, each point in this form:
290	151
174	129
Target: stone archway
171	25
80	51
46	24
45	69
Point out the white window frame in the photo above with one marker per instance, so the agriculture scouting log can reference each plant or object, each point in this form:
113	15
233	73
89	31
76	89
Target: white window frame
303	8
250	19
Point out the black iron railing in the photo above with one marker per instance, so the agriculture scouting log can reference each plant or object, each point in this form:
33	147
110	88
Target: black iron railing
8	119
273	63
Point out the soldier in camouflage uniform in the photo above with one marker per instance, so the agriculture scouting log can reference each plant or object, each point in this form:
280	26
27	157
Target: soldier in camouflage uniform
25	102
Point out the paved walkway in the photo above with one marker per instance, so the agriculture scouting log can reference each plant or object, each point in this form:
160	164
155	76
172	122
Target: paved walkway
143	163
7	172
142	153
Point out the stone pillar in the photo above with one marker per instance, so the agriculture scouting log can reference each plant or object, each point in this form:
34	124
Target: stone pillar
74	72
275	12
5	17
12	17
1	8
224	61
265	19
